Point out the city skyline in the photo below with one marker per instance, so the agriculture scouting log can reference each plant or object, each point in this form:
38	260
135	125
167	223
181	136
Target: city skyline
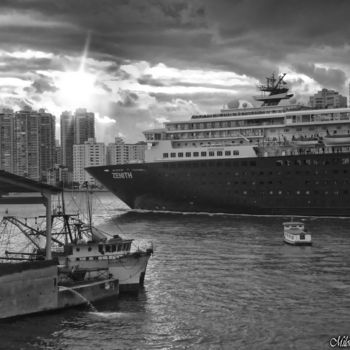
138	64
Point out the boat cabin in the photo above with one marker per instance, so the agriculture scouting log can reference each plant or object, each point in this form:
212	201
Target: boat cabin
90	250
294	226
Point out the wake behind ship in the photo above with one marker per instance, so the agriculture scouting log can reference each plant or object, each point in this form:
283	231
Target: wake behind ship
272	159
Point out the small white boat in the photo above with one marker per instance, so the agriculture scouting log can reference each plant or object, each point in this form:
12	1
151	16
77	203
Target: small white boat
296	234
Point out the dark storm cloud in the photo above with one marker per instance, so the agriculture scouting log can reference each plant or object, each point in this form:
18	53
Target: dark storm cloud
246	36
328	78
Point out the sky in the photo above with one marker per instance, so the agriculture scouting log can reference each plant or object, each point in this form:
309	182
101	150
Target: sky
139	63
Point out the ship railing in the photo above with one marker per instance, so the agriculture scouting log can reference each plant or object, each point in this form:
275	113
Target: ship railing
276	150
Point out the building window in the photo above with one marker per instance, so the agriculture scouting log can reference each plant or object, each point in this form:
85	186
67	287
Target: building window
195	154
165	155
188	154
172	155
219	153
236	153
211	154
180	155
203	154
227	153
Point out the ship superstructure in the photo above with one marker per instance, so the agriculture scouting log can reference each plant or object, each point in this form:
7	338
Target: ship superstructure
243	160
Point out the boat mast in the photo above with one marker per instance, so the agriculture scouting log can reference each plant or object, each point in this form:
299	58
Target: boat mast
48	225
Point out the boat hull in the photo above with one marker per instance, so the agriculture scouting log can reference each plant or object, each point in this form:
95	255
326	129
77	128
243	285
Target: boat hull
307	184
129	269
297	243
33	287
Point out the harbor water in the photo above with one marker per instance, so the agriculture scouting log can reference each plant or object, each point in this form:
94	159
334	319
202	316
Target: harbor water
214	282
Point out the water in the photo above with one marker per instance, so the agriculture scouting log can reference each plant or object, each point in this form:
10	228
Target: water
214	282
86	301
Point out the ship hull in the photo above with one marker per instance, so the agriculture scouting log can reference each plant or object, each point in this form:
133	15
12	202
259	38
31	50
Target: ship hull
309	184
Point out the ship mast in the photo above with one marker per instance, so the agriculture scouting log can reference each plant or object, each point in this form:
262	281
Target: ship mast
276	88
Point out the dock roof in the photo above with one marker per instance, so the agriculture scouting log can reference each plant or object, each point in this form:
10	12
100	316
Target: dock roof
11	183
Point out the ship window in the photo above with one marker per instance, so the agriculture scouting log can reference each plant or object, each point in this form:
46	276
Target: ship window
227	153
203	154
108	248
279	162
298	162
211	154
271	192
119	247
87	258
307	192
236	153
165	155
89	249
114	248
195	154
245	192
172	155
78	249
298	192
279	192
188	154
307	162
77	259
219	153
180	155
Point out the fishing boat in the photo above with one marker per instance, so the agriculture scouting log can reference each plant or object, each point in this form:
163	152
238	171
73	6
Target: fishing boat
30	283
88	249
82	250
296	234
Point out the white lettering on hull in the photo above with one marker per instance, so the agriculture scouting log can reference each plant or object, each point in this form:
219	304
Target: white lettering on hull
123	175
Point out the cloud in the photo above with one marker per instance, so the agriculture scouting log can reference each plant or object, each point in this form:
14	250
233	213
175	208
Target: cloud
326	77
157	60
41	85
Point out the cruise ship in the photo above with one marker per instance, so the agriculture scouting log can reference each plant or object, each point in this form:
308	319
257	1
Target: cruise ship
276	159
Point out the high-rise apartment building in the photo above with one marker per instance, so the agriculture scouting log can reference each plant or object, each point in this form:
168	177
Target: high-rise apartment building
91	153
47	142
75	130
84	126
67	139
327	99
6	140
33	143
120	152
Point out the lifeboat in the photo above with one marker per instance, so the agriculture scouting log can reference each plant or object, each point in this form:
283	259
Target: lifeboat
336	139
